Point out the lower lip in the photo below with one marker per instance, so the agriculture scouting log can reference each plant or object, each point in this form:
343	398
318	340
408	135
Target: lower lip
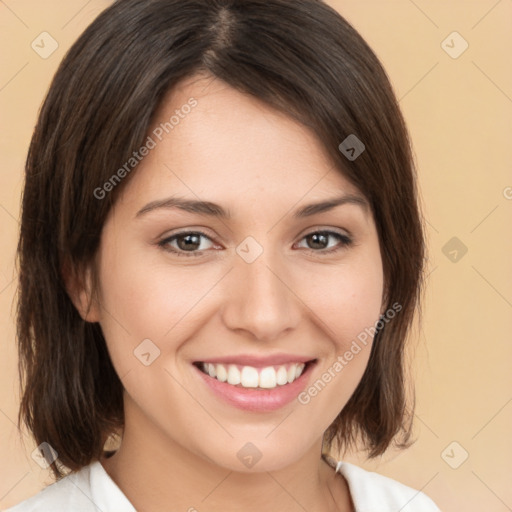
257	399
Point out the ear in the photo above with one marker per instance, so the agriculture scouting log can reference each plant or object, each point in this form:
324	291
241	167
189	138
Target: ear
79	289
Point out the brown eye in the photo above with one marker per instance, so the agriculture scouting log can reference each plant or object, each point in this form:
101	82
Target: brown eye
318	241
186	242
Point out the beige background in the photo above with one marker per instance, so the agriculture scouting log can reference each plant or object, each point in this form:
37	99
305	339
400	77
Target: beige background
459	111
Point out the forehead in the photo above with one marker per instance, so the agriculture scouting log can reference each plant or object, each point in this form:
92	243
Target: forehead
212	141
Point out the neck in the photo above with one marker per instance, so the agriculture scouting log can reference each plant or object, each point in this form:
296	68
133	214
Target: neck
158	474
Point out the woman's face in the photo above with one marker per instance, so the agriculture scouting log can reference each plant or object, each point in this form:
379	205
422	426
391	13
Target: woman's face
273	278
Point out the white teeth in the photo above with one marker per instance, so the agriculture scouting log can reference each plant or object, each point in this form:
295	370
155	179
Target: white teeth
221	372
282	376
268	378
250	377
233	375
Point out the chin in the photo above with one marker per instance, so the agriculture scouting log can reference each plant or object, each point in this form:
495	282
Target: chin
257	455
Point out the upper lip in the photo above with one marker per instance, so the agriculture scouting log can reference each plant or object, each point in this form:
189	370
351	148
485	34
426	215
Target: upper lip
258	361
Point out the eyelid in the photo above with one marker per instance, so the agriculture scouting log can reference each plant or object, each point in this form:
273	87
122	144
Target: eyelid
344	240
165	241
308	231
329	229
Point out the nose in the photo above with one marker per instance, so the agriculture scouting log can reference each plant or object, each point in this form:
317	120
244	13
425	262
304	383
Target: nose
260	299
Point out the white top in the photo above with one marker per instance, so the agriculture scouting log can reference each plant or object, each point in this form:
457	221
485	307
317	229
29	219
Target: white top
92	490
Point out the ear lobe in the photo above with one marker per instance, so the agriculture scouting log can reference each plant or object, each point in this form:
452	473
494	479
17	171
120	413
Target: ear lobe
79	289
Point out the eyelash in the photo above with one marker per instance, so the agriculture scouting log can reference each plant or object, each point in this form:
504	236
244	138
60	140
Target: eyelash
344	239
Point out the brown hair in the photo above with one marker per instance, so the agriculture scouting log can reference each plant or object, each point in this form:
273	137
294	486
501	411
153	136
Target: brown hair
300	57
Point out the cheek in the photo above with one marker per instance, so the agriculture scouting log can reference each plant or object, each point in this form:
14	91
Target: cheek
143	299
349	301
348	308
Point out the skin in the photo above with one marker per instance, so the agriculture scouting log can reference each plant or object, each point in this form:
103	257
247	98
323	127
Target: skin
180	441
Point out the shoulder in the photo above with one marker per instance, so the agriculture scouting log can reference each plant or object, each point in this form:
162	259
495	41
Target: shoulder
371	492
88	490
61	495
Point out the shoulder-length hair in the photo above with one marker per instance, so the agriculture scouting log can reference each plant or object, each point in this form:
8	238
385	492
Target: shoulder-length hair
300	57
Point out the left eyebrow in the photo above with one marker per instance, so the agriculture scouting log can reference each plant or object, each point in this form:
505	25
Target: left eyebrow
313	209
208	208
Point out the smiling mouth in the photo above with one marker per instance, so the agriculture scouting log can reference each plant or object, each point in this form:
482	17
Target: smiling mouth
268	377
